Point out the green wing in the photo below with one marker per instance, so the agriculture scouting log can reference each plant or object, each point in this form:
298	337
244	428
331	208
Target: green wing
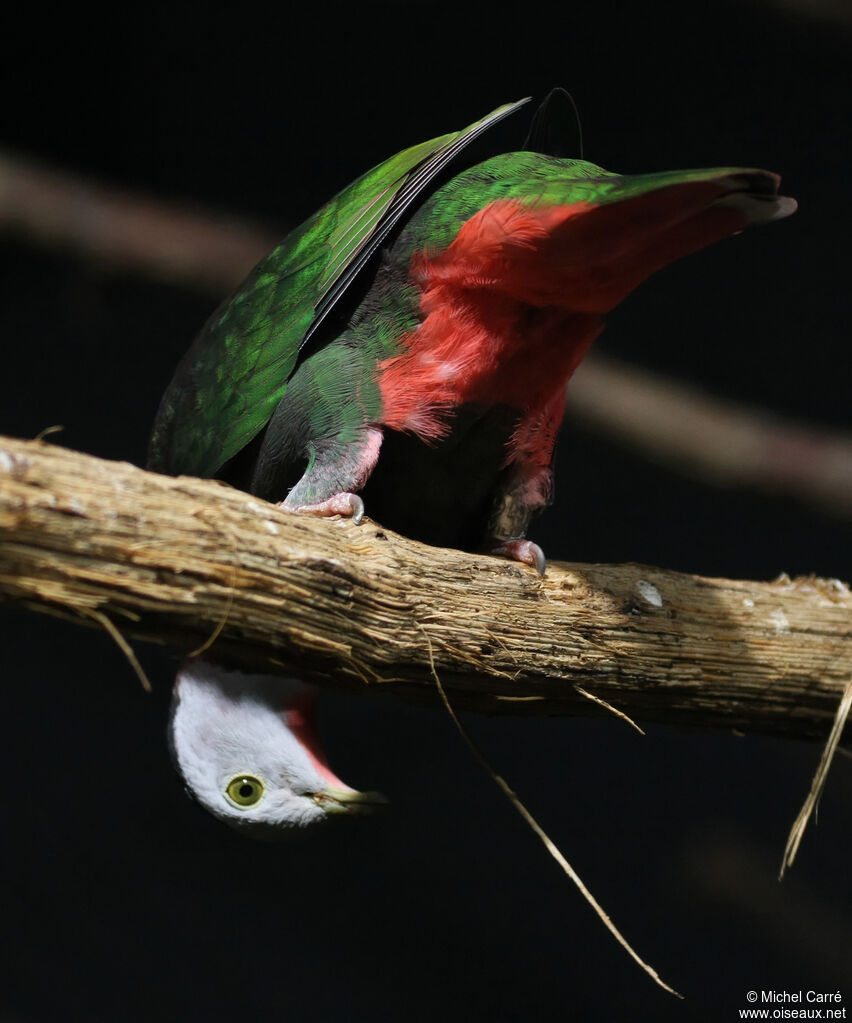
236	371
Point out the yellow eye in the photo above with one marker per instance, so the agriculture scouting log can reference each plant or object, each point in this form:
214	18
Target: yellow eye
244	791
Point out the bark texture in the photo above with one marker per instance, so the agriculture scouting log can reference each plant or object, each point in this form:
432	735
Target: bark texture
184	561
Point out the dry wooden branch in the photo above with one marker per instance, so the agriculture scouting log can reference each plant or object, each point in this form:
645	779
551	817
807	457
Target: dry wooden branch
179	560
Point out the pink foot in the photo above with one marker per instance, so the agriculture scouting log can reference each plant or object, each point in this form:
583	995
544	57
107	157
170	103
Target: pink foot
349	505
522	550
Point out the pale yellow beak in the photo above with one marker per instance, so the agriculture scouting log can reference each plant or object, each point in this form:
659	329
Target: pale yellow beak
349	801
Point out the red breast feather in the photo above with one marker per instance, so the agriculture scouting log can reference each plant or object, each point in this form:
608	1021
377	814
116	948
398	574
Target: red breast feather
512	305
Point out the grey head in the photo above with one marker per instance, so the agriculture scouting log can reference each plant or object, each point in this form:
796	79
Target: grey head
246	748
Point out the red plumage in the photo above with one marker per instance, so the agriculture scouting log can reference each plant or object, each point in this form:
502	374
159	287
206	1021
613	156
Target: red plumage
512	305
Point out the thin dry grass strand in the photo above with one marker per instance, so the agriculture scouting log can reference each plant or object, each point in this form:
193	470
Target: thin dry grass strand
122	644
48	431
549	844
608	706
809	806
214	635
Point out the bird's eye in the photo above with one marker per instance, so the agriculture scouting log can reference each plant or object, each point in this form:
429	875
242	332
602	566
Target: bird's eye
244	790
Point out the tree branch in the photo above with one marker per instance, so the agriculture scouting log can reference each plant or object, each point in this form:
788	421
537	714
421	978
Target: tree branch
183	560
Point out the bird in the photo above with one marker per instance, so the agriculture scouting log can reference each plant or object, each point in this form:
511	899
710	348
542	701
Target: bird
406	350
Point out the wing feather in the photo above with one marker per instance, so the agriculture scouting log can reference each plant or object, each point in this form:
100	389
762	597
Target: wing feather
227	385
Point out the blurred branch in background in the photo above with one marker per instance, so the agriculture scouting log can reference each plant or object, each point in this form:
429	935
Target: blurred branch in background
832	12
128	232
718	441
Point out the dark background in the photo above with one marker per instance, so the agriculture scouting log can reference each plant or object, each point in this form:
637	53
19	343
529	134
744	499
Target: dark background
121	900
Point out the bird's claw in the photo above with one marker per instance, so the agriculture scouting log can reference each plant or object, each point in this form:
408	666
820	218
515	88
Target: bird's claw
346	504
524	551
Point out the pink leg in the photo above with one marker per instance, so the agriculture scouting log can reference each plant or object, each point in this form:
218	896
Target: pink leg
337	470
529	488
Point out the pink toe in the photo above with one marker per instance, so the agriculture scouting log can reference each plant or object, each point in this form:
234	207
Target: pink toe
525	551
346	504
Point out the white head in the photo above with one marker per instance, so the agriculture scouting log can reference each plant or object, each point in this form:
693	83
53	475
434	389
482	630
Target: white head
246	749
